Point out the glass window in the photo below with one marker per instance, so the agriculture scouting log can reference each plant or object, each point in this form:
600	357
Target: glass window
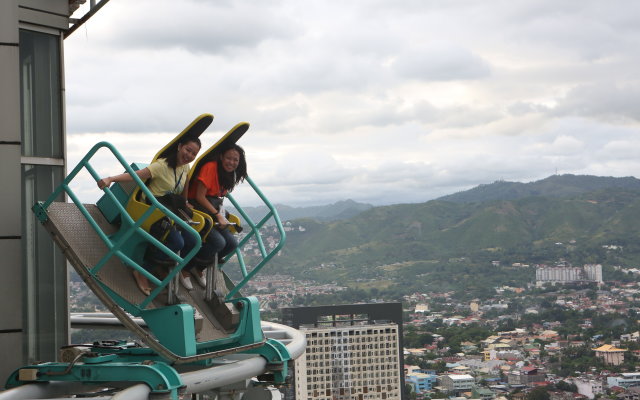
40	94
44	266
45	269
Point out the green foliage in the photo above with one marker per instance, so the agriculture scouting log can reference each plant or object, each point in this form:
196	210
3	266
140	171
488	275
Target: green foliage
575	359
566	387
416	339
538	393
454	335
446	246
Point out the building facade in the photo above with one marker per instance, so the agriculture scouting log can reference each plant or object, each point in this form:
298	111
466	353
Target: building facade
354	352
420	381
611	355
354	362
526	376
625	379
456	384
588	387
569	274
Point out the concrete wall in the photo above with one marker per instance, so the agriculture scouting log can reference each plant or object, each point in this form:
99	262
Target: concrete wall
10	229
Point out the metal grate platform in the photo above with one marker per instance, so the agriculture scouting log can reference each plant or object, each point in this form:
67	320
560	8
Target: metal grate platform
83	247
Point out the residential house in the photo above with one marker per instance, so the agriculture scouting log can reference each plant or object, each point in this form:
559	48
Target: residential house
526	376
610	355
456	384
588	387
421	381
624	380
565	396
482	393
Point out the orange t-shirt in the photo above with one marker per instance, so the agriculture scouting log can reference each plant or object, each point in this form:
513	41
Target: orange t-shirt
208	175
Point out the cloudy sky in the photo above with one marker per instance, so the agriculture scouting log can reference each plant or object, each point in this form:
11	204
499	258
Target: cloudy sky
377	101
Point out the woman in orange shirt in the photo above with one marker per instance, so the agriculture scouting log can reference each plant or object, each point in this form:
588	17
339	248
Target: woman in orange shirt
214	180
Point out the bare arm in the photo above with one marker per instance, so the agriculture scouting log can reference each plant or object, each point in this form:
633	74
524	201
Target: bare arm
185	190
185	194
143	174
201	198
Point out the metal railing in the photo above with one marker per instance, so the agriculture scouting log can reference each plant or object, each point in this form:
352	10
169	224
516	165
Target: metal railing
134	227
255	233
129	227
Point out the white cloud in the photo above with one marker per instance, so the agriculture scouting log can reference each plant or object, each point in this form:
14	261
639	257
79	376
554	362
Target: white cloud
441	62
378	101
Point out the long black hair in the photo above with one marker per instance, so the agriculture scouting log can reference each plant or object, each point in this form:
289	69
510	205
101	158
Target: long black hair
228	180
171	154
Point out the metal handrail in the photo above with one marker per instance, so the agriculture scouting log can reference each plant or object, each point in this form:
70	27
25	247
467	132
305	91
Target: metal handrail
255	232
215	377
114	248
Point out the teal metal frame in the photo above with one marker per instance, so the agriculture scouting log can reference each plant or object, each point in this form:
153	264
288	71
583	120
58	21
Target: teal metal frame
100	369
172	325
255	232
121	242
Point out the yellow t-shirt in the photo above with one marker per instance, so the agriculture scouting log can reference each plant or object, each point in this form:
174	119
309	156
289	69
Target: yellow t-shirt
165	179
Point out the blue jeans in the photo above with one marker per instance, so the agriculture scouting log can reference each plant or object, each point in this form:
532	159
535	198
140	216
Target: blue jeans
221	242
176	241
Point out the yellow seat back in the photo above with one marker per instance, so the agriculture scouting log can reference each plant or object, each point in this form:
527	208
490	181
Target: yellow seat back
234	219
137	208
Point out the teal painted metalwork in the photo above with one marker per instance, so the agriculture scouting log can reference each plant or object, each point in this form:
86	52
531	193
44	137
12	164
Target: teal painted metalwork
277	356
172	326
255	232
130	233
160	377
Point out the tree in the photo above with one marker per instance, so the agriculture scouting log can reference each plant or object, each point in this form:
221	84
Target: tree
539	393
408	388
440	366
567	387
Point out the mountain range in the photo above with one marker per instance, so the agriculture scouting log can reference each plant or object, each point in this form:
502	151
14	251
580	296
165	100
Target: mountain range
561	217
555	186
343	209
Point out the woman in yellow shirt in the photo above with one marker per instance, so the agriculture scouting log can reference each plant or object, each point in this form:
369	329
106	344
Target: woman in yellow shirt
165	175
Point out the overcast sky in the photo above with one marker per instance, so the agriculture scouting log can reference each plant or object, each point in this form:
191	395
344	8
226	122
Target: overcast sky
377	101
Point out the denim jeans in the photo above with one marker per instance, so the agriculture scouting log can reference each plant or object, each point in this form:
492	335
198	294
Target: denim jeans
176	241
221	242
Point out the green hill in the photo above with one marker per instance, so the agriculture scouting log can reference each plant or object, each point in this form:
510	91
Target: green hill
553	186
449	244
332	212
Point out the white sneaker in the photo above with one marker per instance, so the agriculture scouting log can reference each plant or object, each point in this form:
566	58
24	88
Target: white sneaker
186	282
201	279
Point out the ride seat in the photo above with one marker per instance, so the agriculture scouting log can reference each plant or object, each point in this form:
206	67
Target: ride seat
129	195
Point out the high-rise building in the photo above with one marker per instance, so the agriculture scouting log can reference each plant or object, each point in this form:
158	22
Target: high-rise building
34	321
593	272
569	274
354	352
